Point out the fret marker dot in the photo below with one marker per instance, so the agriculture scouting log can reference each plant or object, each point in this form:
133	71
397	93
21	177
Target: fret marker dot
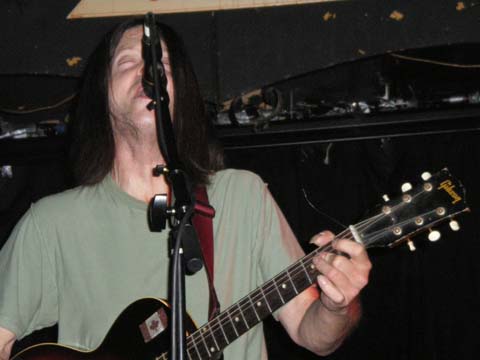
237	319
284	286
212	349
259	303
312	266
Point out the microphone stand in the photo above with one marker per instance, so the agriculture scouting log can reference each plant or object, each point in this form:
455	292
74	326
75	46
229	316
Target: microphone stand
184	246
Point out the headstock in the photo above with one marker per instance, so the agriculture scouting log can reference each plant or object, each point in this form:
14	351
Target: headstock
435	199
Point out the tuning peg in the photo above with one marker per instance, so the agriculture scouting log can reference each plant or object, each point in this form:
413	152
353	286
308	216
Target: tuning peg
426	176
406	187
434	235
454	225
385	198
411	245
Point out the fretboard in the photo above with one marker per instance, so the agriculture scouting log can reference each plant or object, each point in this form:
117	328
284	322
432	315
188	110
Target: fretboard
230	324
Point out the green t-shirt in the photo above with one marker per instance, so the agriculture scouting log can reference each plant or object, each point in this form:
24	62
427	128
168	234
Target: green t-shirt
80	257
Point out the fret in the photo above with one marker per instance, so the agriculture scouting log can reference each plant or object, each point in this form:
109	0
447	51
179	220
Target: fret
287	291
219	323
254	308
278	291
192	337
260	304
271	295
207	331
233	324
266	301
239	323
306	272
302	281
193	341
204	342
291	281
249	313
313	271
189	349
242	316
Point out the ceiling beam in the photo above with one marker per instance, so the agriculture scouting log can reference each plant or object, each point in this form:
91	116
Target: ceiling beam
95	8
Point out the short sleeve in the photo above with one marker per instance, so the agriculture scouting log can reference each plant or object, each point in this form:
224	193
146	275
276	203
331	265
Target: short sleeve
278	246
28	295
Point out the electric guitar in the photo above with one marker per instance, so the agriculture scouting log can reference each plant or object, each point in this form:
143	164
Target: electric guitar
140	331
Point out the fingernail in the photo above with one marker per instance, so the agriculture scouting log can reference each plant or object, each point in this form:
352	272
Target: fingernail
321	280
315	239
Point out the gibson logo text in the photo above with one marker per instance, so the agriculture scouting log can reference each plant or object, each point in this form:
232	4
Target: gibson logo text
448	187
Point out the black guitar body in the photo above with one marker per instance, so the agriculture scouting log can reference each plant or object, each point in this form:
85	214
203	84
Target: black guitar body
124	341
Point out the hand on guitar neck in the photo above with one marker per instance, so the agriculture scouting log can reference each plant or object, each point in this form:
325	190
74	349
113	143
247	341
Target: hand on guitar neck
344	267
343	276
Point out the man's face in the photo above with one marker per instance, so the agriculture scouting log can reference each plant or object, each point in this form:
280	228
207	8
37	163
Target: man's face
127	99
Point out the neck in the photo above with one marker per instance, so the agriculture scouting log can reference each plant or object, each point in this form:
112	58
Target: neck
132	169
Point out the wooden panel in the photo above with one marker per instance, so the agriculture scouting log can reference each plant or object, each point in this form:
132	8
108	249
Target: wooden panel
105	8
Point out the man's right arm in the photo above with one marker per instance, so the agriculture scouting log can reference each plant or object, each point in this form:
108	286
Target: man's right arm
7	338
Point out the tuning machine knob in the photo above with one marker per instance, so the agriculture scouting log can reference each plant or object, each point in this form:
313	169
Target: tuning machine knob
406	187
434	235
454	225
411	245
426	176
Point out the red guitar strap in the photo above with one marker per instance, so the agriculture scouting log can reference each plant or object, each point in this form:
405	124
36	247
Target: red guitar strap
203	223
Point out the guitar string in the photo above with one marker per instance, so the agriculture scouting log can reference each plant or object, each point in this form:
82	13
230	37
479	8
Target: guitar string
345	235
377	234
215	325
196	337
238	308
394	208
226	314
268	289
272	283
271	286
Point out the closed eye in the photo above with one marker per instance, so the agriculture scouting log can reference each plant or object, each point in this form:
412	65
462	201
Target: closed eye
125	62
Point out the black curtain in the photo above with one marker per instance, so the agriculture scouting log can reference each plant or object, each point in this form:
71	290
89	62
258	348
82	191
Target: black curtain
418	305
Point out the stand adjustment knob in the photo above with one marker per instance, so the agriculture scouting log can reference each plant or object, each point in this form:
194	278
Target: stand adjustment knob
157	213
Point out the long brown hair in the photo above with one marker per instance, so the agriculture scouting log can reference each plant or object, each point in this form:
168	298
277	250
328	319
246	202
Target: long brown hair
93	144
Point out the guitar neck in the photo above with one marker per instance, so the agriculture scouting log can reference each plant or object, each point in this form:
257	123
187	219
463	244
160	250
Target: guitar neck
236	320
439	197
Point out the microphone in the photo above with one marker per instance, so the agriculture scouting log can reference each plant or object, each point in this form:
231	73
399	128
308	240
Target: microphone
152	54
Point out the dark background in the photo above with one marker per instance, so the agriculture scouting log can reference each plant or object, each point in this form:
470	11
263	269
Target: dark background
418	305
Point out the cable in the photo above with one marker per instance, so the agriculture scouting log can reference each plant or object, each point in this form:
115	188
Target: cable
435	62
48	107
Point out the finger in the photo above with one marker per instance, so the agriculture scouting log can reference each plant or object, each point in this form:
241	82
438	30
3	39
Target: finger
322	238
342	274
355	251
357	276
338	278
330	290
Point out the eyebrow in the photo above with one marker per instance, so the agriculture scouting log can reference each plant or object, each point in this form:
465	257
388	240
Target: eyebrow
121	50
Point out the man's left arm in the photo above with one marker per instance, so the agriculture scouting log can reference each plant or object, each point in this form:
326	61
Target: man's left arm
319	320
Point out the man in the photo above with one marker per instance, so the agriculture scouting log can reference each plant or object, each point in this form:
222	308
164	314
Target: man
80	257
